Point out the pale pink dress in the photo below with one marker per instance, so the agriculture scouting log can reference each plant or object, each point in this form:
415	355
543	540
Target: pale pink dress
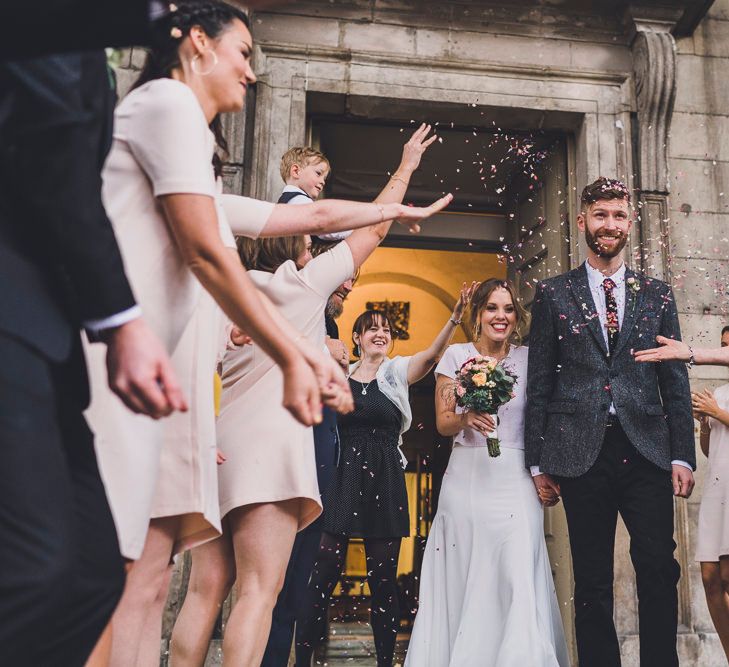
270	456
162	145
712	541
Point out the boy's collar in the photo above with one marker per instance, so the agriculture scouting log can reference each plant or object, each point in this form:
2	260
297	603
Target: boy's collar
295	188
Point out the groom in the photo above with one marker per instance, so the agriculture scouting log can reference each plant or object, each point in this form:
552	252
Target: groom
612	436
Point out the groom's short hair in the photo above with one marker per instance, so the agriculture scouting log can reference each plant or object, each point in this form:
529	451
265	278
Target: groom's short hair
603	188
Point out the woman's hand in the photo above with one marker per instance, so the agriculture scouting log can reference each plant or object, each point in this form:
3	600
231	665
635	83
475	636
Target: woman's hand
670	350
220	458
464	300
240	337
301	395
704	404
548	490
333	384
478	421
412	216
338	351
413	151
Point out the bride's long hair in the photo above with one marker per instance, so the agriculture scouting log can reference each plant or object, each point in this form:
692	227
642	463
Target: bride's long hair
481	298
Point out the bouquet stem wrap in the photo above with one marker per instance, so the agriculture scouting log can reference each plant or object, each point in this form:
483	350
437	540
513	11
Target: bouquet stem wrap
492	441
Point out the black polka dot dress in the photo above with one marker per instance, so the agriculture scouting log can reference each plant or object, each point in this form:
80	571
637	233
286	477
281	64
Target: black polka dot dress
368	497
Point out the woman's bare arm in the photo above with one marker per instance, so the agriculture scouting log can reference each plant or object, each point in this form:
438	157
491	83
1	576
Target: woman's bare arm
676	350
194	224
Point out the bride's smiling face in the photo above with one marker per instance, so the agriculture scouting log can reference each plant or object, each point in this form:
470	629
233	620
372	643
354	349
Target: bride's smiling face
498	317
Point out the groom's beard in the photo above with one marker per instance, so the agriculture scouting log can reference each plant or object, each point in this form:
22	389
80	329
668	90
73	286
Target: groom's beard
334	308
600	250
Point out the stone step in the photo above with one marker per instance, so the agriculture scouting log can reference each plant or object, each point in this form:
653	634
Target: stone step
349	645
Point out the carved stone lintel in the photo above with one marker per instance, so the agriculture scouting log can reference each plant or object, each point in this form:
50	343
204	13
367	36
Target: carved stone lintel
654	64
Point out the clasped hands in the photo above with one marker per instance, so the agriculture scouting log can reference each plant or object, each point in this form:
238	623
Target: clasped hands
333	386
547	489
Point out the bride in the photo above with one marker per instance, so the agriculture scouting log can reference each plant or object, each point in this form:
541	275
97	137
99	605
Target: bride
487	597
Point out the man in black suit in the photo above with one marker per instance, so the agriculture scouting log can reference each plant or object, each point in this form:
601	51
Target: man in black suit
613	436
61	573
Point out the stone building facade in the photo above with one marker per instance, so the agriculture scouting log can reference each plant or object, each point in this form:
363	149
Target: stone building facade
634	90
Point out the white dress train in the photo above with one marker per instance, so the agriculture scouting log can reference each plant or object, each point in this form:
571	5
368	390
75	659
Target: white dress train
487	596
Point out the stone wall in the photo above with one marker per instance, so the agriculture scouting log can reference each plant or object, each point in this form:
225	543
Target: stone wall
699	237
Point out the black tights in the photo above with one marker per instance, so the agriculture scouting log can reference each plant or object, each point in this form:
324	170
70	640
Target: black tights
381	555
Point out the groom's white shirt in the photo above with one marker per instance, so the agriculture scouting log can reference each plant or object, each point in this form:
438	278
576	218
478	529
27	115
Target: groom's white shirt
595	279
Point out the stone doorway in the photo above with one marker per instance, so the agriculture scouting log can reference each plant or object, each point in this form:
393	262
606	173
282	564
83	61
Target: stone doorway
511	216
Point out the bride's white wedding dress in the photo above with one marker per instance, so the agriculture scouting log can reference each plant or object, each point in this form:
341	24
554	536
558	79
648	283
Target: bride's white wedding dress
487	596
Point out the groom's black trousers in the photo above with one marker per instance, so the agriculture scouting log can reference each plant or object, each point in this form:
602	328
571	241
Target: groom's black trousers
61	573
622	481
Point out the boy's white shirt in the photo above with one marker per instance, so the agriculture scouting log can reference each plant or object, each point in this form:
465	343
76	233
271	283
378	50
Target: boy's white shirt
303	198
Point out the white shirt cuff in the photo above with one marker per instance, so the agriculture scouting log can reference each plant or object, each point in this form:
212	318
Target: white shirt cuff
681	463
535	471
94	327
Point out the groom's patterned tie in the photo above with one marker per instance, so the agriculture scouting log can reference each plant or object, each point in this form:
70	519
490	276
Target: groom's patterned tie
611	310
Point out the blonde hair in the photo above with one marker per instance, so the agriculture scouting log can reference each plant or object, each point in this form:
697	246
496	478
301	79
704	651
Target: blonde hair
303	156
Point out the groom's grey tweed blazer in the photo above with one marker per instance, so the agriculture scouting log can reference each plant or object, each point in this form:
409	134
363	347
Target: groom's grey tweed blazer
572	379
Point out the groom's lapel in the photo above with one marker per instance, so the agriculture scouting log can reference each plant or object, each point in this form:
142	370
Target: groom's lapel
633	302
580	286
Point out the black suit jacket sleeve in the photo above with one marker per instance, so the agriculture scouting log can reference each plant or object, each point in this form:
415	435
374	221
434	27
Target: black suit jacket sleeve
675	390
34	29
543	356
54	143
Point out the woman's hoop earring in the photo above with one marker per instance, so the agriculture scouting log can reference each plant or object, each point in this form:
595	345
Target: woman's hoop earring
195	60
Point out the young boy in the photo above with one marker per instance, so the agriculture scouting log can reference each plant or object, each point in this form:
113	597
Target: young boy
305	171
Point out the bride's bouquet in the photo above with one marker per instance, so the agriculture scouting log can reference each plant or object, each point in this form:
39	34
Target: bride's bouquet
484	385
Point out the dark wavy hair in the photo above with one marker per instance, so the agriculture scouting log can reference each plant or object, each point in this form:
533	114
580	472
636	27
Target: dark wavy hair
214	17
601	189
364	321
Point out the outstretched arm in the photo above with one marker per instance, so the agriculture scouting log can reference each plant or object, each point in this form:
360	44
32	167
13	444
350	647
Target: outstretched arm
363	242
332	215
412	152
677	350
329	215
193	221
421	362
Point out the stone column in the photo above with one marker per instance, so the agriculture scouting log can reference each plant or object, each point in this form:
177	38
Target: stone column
654	64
